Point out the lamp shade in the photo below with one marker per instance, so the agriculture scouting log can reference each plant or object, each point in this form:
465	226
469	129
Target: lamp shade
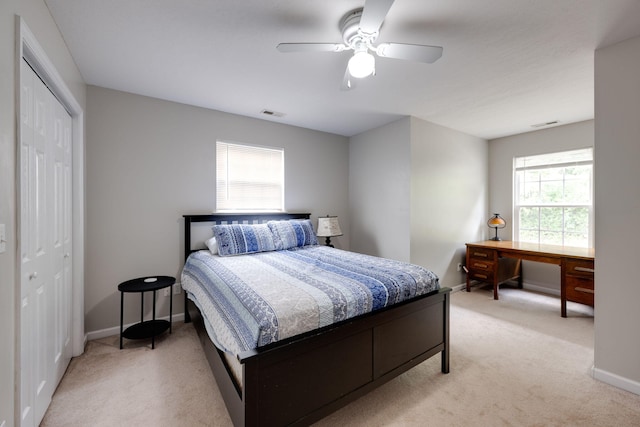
495	222
328	226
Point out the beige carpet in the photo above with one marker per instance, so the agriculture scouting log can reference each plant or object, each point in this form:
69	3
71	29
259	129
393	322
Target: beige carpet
514	362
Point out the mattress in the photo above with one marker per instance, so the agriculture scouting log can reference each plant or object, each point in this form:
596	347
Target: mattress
249	301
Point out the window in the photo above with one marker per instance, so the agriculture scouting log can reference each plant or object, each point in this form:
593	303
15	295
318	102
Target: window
553	200
249	178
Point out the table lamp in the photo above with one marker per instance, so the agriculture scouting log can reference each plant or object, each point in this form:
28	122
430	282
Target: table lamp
328	227
496	221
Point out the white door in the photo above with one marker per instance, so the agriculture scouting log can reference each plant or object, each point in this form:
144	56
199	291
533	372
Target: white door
45	245
60	223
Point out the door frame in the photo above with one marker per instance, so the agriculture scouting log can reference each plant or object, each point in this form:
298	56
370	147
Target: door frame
29	48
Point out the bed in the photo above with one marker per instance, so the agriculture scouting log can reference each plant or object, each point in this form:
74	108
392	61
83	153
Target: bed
301	377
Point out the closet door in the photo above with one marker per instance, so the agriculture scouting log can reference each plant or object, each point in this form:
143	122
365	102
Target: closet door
35	255
60	225
45	245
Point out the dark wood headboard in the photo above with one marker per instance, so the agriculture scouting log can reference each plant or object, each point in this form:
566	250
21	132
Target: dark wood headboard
233	218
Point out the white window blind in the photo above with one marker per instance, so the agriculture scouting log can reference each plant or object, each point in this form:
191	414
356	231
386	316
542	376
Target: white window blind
553	200
249	178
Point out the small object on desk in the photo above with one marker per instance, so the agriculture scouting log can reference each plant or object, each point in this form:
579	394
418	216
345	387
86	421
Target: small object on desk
496	221
328	227
149	328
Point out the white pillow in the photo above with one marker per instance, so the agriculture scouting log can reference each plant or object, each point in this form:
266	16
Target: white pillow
212	244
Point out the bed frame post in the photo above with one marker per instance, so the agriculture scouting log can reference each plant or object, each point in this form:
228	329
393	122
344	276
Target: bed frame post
187	251
445	351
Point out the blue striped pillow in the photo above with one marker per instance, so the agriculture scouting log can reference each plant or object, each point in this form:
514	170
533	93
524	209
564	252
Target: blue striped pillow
236	239
292	233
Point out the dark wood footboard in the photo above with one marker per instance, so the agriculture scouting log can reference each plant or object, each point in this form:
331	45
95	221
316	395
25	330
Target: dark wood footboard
303	379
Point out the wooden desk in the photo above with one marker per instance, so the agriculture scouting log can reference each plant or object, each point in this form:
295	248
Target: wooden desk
495	262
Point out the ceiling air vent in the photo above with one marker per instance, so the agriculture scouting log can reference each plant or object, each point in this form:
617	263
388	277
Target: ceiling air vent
541	125
272	113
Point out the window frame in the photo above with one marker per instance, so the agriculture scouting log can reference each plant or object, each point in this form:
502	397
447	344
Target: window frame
518	205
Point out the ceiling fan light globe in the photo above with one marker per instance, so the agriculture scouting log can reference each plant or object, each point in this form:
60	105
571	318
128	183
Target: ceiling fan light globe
361	64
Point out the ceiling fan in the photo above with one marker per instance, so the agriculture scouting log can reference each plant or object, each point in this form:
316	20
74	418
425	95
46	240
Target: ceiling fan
360	30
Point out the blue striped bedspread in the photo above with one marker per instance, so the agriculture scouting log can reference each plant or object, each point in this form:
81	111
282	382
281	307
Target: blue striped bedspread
257	299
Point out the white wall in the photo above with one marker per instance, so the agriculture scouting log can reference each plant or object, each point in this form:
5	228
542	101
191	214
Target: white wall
617	201
448	197
380	191
544	277
151	161
417	193
36	15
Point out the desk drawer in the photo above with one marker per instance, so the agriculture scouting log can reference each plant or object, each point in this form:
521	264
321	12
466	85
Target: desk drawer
580	289
481	254
576	267
476	265
483	276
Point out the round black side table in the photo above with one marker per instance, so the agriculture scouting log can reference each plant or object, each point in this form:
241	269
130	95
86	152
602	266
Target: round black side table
148	328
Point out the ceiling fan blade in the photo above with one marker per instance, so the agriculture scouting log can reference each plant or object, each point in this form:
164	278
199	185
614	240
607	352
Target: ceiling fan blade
310	47
348	82
373	15
411	52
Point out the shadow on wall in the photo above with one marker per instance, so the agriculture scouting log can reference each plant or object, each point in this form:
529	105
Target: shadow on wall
460	258
104	309
367	245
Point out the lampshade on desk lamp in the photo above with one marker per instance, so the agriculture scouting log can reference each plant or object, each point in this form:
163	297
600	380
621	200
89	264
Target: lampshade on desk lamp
496	221
328	227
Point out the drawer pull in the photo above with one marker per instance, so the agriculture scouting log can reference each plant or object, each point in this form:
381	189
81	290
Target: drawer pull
584	269
482	276
480	265
481	254
585	290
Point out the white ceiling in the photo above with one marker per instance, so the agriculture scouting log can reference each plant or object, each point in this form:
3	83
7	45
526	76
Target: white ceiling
507	64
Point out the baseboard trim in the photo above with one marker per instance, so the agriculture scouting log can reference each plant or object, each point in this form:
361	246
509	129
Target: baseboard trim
102	333
539	288
460	287
525	285
616	380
